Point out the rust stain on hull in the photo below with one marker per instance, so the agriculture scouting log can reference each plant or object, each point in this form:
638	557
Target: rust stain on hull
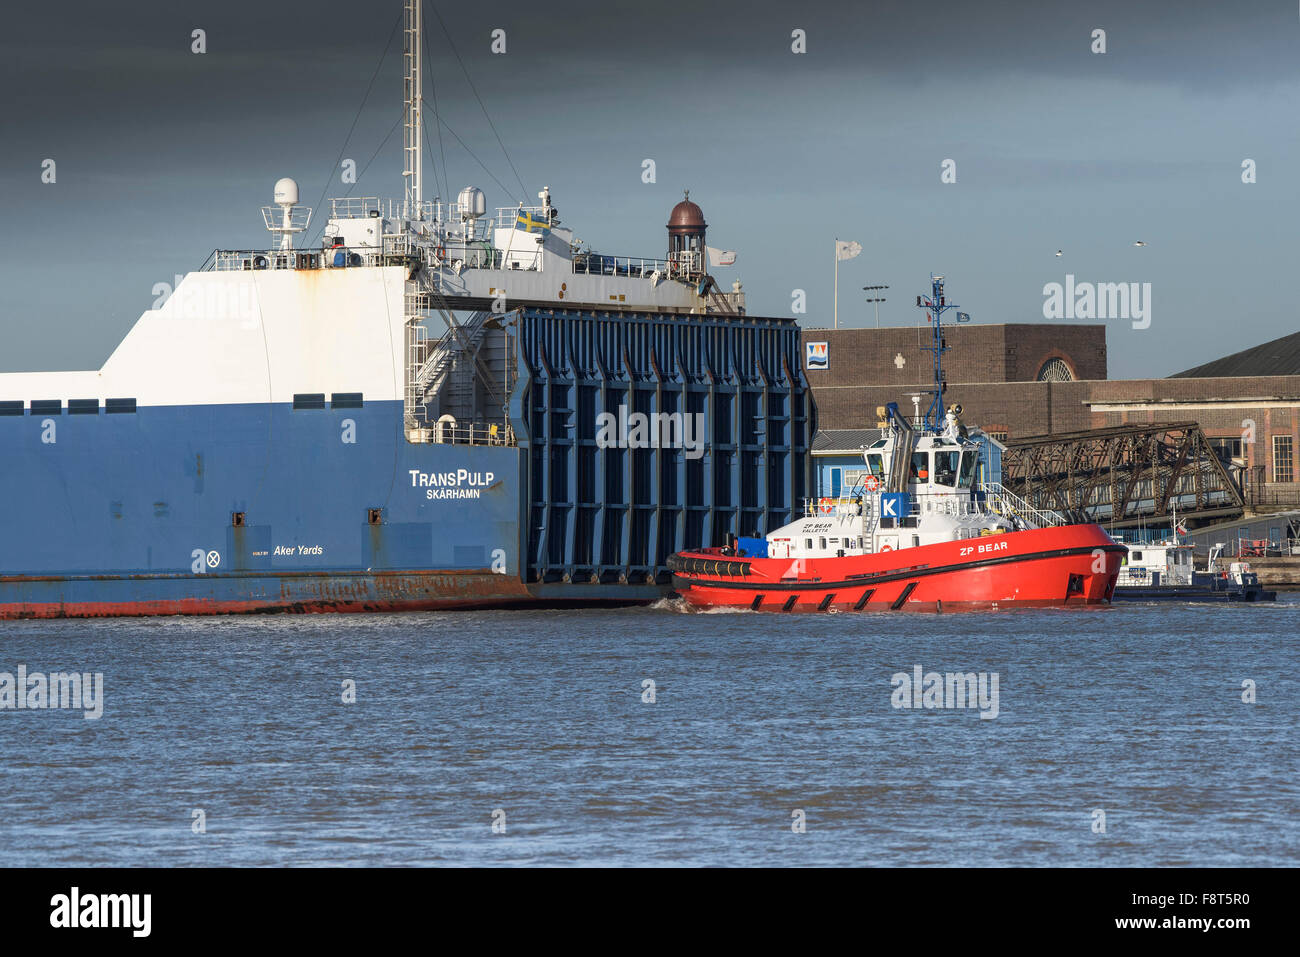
268	593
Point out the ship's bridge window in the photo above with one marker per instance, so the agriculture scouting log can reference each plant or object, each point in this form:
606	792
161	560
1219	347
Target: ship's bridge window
876	462
945	467
968	462
1136	556
920	466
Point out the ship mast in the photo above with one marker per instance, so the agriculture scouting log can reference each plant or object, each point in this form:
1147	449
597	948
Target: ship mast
936	305
414	122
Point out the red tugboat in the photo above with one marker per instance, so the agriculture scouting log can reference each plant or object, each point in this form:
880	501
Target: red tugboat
920	532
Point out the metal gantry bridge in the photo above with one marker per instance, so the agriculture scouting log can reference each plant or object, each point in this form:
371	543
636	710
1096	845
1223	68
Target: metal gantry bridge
1124	475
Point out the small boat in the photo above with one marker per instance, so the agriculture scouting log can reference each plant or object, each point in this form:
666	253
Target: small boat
1166	571
920	531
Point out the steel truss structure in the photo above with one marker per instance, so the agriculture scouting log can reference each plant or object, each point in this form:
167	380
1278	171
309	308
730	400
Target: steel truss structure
1124	475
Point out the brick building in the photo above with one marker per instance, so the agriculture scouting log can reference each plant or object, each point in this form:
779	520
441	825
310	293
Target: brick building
895	357
1020	379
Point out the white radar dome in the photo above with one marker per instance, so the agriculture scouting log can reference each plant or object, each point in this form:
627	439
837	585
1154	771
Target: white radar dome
286	192
472	202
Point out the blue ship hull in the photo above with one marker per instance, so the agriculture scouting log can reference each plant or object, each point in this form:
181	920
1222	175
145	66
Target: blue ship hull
251	508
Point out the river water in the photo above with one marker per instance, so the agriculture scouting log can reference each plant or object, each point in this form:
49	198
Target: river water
533	737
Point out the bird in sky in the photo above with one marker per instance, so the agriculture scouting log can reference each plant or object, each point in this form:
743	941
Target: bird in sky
1058	254
1139	243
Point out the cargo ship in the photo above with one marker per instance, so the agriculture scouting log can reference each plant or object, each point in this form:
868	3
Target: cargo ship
921	532
433	407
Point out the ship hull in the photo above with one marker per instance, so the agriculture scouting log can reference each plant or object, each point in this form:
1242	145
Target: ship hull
1197	593
294	593
302	593
252	508
1048	567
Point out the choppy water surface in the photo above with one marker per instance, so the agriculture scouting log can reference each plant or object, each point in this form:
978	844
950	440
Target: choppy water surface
1135	711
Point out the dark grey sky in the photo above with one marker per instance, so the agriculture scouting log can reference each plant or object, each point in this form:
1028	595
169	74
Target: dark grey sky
163	155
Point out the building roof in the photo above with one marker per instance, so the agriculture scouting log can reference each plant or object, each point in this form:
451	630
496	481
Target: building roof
1279	357
832	441
1270	518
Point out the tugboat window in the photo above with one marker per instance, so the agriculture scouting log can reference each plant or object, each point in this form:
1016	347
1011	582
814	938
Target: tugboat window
945	467
968	461
921	466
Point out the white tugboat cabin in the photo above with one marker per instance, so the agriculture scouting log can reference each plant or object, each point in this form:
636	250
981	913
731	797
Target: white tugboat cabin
942	499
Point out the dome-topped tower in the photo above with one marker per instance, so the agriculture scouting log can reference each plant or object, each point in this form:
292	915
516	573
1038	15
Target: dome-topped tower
686	228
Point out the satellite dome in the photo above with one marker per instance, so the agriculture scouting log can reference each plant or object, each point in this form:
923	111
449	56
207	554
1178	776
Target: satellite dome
286	192
472	202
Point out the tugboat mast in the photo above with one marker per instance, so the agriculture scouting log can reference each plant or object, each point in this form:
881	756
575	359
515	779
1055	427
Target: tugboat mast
936	305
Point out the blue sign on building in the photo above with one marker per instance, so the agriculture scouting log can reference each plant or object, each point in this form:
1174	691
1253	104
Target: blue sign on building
895	504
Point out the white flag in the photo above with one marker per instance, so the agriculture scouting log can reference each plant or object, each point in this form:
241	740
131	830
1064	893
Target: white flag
846	249
721	257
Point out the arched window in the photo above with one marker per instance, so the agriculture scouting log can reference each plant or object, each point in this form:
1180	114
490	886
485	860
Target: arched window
1055	370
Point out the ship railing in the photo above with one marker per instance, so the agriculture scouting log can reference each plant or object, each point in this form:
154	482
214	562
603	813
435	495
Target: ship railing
508	216
956	503
1130	575
831	505
597	264
473	258
1009	505
440	433
444	253
1267	547
363	207
359	207
332	257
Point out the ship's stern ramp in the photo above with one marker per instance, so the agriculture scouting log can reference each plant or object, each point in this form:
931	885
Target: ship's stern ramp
642	435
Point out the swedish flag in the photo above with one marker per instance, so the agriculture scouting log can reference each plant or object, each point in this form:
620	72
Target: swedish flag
530	224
